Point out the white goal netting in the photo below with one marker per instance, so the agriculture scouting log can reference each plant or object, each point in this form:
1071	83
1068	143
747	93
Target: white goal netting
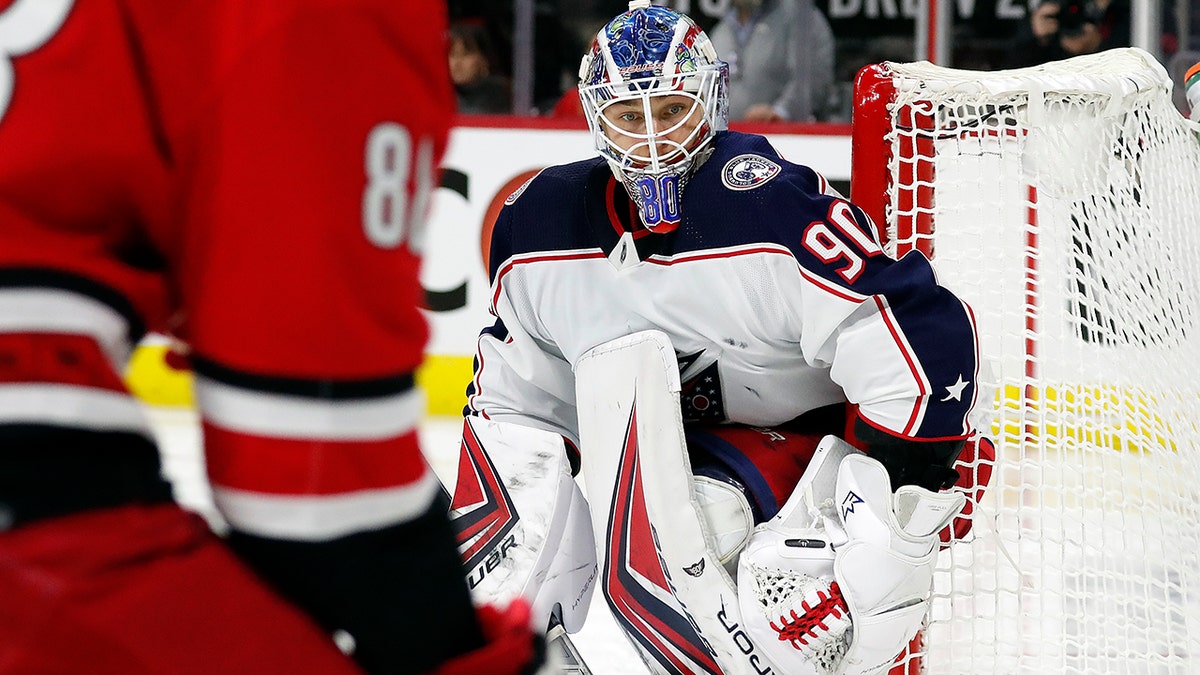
1063	203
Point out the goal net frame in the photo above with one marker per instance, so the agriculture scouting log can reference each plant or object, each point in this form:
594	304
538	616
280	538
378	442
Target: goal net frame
1063	203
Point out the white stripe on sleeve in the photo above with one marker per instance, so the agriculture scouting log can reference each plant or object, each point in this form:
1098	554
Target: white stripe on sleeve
285	416
47	310
72	406
325	517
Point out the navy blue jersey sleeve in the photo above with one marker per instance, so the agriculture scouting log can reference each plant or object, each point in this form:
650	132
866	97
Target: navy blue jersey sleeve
500	248
543	215
917	336
933	329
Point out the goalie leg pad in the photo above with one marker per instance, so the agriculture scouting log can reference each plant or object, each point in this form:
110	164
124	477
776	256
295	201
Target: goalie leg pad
767	462
660	574
523	524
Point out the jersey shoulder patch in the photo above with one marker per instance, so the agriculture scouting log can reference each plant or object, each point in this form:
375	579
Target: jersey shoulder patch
746	172
509	200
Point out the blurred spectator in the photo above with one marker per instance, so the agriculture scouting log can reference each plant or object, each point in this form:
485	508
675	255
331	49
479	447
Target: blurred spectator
1180	27
479	88
1179	67
556	47
556	53
1060	29
780	55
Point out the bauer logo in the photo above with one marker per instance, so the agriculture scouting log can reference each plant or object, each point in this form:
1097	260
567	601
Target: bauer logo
746	172
482	512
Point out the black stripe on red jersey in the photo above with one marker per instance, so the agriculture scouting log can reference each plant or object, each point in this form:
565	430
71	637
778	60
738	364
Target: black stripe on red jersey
38	278
48	471
303	387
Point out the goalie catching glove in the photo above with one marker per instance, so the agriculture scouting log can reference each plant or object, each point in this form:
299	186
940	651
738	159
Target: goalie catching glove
838	581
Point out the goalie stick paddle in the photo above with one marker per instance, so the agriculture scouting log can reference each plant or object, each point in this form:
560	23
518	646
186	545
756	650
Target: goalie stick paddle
562	651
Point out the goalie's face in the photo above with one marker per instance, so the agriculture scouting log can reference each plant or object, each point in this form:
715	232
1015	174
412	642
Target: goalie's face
653	91
653	132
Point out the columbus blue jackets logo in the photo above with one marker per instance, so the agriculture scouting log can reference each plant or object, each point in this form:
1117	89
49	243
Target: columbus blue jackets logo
746	172
636	583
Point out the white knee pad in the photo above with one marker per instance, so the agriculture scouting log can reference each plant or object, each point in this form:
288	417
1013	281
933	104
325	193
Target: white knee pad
727	513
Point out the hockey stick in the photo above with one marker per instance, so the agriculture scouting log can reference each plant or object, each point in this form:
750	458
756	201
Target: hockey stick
562	651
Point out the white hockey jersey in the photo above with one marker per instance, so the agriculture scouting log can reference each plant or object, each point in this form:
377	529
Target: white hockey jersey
774	291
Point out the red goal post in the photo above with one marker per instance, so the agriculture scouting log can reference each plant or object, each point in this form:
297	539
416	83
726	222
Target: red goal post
1063	203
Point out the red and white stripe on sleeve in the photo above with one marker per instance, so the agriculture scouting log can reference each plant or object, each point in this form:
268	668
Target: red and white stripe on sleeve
61	350
310	460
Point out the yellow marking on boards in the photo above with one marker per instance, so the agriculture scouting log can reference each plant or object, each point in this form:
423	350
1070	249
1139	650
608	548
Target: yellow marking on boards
444	379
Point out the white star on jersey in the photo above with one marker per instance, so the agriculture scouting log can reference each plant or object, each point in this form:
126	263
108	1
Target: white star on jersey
955	390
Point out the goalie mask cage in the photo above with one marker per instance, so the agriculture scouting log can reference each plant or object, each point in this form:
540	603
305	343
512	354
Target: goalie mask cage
1063	203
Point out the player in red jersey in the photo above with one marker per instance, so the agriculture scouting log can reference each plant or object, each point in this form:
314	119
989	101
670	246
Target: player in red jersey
254	176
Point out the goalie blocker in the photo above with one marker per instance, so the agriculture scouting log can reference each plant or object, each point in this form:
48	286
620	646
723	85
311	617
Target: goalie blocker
836	581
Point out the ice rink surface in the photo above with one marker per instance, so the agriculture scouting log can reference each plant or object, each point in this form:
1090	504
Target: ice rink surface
600	643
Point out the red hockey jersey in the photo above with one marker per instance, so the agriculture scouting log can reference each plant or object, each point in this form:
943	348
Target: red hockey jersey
252	176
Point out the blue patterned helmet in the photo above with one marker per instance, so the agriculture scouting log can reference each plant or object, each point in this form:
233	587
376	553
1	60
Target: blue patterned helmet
641	57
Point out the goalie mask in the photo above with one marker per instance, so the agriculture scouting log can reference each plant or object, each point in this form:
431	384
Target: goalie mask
654	93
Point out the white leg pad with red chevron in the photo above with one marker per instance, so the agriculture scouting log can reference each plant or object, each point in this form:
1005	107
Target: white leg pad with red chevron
522	522
663	581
